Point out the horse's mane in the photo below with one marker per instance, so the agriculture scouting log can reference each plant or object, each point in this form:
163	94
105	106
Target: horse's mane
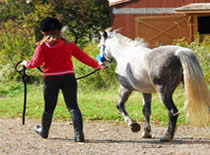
130	42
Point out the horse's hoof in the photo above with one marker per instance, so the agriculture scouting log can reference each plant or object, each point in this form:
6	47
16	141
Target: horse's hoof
165	139
135	127
146	135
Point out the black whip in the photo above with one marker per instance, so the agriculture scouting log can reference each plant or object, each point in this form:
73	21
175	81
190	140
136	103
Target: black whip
25	79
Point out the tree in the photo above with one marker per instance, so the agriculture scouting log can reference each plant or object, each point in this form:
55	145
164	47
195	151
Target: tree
84	18
28	15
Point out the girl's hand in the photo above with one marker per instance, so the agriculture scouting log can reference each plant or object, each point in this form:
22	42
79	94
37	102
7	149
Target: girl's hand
24	63
101	67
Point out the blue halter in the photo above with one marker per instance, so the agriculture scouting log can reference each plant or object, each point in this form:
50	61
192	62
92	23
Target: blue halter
101	57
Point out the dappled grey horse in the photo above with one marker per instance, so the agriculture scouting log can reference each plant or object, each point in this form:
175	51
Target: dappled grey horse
159	70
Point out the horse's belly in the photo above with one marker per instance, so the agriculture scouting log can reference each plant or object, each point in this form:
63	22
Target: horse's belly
141	81
145	88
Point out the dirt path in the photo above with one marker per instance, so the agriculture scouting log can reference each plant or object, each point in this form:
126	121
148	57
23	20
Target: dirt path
101	138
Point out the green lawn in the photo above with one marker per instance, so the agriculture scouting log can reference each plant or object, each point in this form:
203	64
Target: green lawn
94	104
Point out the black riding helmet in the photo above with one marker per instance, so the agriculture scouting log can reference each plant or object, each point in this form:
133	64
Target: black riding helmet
50	24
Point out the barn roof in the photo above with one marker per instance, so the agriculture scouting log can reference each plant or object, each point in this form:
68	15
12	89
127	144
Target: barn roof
194	8
115	2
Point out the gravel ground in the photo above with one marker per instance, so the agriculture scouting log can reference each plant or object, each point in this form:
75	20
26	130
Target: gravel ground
102	138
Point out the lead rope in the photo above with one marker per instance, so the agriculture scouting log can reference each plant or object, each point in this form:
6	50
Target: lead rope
87	74
84	76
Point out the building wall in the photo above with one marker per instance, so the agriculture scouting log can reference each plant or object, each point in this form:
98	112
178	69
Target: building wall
124	15
157	3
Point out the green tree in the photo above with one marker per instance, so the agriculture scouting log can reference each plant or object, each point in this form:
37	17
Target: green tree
27	15
84	18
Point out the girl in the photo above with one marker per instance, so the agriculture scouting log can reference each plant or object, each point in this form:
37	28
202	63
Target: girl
54	52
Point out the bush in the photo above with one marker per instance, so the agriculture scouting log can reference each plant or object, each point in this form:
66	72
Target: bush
16	44
7	73
201	50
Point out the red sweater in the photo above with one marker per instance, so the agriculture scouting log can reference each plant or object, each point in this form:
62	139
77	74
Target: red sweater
56	59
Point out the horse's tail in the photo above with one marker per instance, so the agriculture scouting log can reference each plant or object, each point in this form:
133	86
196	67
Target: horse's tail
197	97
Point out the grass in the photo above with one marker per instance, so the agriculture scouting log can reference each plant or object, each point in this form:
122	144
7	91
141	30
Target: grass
97	104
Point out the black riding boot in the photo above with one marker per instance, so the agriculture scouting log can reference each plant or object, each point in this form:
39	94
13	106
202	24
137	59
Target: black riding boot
78	125
46	122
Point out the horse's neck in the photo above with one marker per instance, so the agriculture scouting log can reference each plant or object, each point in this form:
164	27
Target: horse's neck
123	54
130	57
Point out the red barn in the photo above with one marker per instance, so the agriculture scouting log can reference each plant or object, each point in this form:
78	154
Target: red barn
161	21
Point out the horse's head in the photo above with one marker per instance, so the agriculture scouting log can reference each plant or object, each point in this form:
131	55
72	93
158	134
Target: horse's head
104	47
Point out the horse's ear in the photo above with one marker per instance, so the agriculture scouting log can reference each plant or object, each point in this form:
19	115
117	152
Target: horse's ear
109	29
117	30
101	33
105	35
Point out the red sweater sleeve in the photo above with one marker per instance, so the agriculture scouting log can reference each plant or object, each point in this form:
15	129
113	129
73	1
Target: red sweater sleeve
83	57
38	58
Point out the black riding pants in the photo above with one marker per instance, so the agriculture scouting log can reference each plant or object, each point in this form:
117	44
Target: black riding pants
52	85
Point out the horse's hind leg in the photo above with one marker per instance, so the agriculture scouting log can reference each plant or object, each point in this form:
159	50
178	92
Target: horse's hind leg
173	115
147	112
123	97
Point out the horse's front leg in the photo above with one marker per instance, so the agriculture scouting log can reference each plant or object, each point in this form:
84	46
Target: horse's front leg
147	112
123	97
